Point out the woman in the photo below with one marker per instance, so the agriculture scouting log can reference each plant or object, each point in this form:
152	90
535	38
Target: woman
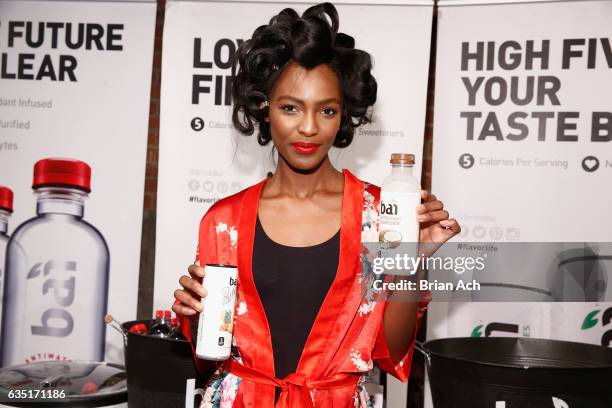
305	330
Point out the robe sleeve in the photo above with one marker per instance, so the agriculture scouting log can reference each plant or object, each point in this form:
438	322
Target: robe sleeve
381	355
205	253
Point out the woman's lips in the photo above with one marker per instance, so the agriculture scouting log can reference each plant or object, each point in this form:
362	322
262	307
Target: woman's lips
305	148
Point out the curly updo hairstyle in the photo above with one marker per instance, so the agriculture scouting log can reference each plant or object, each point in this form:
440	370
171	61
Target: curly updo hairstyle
310	40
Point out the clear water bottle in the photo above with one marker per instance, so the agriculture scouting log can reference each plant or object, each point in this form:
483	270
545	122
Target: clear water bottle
176	329
6	208
161	327
56	283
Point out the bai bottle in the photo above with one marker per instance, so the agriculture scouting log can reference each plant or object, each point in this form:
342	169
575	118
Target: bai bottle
57	268
216	323
399	197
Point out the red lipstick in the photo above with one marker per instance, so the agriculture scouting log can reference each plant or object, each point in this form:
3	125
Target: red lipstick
305	148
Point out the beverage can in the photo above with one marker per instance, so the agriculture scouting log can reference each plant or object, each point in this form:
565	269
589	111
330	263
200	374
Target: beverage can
216	322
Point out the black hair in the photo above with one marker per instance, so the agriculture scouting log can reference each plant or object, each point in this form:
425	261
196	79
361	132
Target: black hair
310	40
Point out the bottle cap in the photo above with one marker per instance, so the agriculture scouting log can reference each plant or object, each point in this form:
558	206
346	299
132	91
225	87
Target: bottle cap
174	322
402	158
167	314
138	328
159	314
62	172
6	199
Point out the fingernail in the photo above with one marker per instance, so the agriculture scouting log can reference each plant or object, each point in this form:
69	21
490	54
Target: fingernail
198	306
202	292
190	312
420	208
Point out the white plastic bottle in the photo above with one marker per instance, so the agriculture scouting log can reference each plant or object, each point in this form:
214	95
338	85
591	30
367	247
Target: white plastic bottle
216	323
399	197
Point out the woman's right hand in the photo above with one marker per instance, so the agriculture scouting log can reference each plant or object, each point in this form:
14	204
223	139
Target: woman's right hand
189	297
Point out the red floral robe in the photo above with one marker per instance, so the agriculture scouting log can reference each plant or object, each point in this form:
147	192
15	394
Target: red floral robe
347	337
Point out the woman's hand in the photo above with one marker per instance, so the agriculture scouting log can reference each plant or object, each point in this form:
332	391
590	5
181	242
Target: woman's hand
436	227
189	297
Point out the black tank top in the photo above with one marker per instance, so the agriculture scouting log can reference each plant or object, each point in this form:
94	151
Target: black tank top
292	283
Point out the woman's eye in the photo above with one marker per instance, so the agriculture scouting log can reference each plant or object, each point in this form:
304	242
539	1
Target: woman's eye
288	108
330	111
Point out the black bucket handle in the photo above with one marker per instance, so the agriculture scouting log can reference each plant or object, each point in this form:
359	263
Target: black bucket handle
421	348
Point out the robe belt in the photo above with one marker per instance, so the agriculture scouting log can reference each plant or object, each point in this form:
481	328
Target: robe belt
294	382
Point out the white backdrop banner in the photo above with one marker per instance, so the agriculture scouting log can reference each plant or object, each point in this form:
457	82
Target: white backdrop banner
75	80
202	159
523	153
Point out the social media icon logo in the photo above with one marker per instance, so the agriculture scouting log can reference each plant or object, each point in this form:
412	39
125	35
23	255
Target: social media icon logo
496	233
513	234
479	231
222	186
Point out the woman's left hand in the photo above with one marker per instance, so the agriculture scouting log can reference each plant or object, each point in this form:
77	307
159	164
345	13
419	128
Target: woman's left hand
436	227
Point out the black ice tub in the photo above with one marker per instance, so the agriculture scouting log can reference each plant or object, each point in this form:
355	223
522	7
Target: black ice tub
495	372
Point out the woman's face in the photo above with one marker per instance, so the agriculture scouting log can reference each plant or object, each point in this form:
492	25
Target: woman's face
304	115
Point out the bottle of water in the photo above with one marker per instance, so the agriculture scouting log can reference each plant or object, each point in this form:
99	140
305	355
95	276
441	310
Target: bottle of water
56	283
399	197
161	327
176	329
6	208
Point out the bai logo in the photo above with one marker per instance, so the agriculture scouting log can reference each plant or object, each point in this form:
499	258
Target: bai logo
591	320
557	403
58	292
223	55
388	208
499	327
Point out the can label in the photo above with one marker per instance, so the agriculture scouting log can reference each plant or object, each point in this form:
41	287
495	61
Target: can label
216	323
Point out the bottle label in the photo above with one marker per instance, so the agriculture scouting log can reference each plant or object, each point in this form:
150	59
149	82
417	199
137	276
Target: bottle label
54	311
398	221
216	323
52	315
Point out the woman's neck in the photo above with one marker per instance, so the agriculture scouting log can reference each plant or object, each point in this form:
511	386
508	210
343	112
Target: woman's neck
291	183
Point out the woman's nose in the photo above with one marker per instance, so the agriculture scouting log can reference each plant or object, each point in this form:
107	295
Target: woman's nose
308	124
